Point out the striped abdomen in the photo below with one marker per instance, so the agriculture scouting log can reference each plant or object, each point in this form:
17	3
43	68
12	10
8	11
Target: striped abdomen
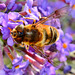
51	35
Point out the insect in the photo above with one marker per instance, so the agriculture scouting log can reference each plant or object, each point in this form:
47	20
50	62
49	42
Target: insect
37	34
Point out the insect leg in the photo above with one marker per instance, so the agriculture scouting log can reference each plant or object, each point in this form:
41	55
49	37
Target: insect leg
40	50
27	47
37	50
30	18
23	45
43	18
18	21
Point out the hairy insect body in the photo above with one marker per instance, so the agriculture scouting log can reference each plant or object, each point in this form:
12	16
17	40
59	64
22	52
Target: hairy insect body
38	35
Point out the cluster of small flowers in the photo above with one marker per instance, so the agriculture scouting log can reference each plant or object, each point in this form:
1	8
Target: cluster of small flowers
60	50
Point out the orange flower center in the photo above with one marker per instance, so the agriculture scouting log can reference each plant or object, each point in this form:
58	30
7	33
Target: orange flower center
73	7
64	45
29	11
17	67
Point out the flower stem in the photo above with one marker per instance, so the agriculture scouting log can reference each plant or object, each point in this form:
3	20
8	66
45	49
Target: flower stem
1	59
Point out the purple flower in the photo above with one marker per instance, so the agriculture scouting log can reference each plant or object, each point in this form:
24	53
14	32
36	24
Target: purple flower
61	57
57	5
67	1
47	8
72	13
6	32
12	6
61	33
6	24
14	15
59	49
44	7
2	6
56	23
6	35
19	7
64	46
72	5
18	62
72	2
2	72
18	67
67	69
48	69
69	30
12	71
31	11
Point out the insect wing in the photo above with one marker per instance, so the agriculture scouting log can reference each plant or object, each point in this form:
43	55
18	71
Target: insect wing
61	12
57	14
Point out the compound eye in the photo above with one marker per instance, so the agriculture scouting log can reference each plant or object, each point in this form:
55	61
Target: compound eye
20	33
13	34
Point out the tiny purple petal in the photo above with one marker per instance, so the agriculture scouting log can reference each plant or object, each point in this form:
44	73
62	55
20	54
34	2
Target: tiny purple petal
57	5
31	49
73	13
13	25
26	8
34	16
30	3
11	4
2	6
2	72
1	20
35	11
67	1
48	69
45	4
43	11
19	7
67	69
10	41
65	51
52	70
24	65
5	20
17	61
17	72
8	70
62	58
61	33
13	15
59	45
72	47
68	37
5	32
1	14
46	47
69	30
14	7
